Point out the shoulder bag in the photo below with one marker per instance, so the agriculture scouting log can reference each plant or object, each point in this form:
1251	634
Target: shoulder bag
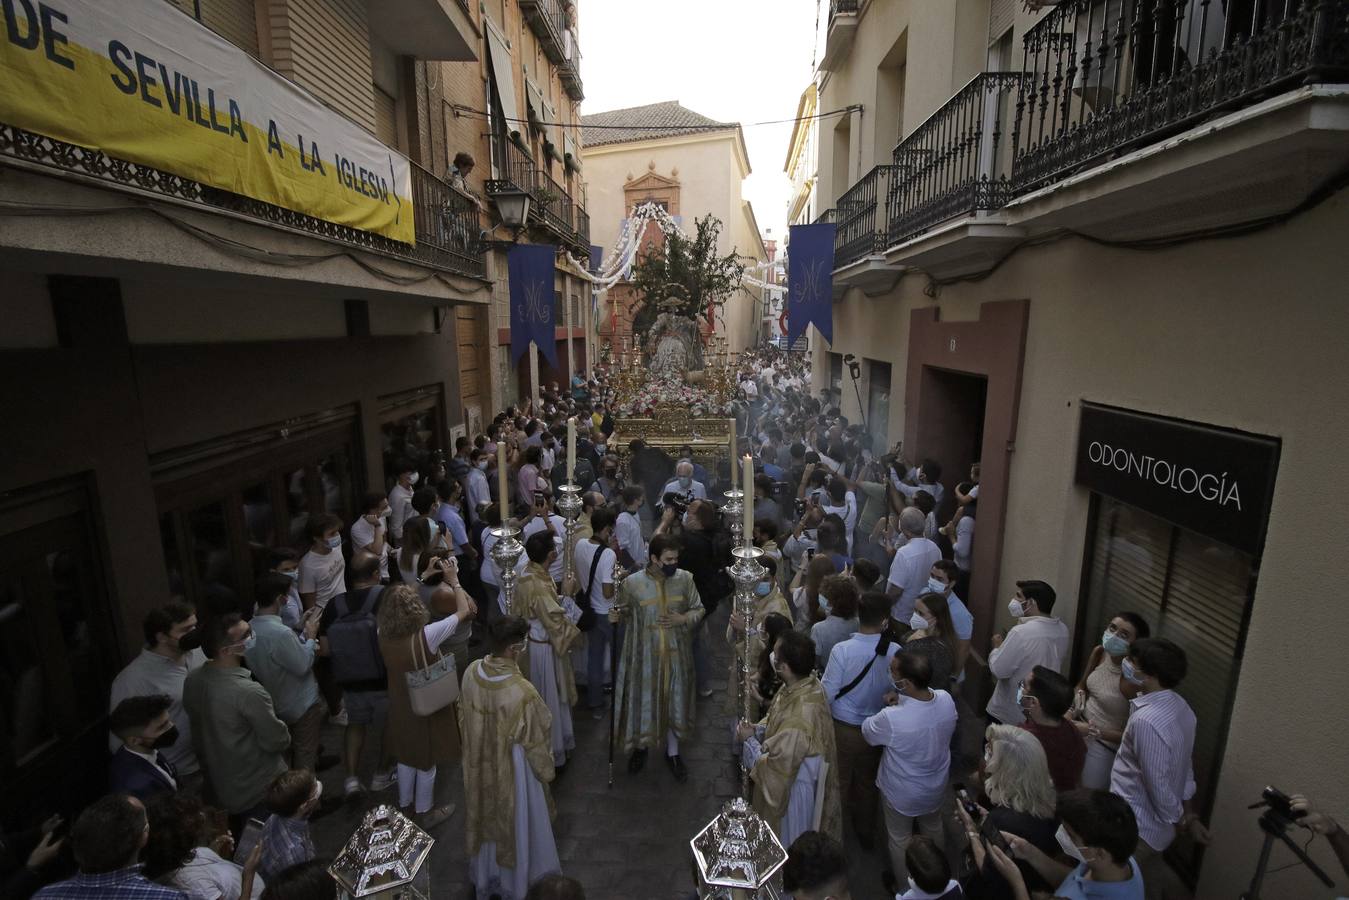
587	620
431	686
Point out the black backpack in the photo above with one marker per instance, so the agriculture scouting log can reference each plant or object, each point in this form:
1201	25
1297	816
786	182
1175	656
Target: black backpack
353	640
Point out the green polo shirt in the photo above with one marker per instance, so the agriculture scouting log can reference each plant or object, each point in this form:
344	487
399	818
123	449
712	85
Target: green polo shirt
238	738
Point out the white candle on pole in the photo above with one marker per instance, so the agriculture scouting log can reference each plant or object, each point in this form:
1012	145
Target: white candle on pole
503	493
748	482
571	448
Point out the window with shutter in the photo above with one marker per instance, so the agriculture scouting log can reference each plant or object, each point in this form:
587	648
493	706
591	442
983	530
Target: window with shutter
1001	14
386	119
1191	590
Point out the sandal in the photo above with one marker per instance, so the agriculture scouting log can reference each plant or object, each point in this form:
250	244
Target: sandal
437	816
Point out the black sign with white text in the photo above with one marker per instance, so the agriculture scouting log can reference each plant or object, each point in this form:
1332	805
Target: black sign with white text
1212	481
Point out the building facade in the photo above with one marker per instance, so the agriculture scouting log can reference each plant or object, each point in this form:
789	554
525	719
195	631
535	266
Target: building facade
214	344
691	165
1094	252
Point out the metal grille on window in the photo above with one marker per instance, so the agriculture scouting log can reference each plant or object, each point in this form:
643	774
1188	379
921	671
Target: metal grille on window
1191	590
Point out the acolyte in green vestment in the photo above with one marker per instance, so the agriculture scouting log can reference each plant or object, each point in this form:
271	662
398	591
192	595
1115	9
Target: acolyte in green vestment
654	691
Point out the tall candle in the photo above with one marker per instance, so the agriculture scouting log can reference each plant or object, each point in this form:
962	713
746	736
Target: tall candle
749	498
503	493
734	457
571	448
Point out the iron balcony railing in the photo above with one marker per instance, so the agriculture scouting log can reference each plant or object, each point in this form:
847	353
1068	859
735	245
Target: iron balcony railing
958	161
549	23
1108	76
861	232
829	215
842	6
552	206
445	222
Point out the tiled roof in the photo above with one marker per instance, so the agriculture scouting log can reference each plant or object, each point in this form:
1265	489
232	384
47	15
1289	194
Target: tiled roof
643	123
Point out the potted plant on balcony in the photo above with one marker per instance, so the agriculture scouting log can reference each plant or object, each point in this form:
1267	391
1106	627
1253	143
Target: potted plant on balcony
518	140
546	196
549	150
572	162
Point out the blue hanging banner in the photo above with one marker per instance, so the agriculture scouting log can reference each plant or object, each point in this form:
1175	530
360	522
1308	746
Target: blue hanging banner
810	277
530	269
596	257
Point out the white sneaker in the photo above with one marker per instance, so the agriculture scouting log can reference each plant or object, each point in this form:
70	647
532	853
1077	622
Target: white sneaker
340	718
382	781
352	786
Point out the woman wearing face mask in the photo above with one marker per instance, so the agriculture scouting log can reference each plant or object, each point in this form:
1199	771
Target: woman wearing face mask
768	600
766	683
934	636
942	579
1100	709
839	598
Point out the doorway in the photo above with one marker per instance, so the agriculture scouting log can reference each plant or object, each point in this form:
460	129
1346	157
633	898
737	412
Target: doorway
951	422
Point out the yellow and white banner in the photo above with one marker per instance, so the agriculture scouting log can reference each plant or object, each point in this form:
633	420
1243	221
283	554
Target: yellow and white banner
144	82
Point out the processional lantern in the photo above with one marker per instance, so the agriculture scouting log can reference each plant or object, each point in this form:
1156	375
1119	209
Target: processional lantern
384	859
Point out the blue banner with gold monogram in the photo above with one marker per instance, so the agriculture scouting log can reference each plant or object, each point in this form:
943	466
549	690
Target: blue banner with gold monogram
810	275
530	269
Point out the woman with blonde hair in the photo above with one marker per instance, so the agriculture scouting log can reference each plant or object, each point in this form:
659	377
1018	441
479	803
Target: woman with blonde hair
806	591
1021	802
419	743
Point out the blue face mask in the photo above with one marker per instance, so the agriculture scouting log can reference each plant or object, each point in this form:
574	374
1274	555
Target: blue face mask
1130	673
335	541
936	587
763	590
1113	644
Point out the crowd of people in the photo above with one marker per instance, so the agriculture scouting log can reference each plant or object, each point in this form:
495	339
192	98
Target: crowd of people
398	628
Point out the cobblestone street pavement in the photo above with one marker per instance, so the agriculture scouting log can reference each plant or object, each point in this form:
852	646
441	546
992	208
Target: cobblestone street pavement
625	843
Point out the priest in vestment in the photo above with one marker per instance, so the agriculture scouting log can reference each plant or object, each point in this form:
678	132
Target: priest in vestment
654	690
791	754
547	665
767	599
508	763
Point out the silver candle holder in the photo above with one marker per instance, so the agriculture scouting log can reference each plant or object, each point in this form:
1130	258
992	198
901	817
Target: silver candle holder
569	505
505	554
734	511
746	572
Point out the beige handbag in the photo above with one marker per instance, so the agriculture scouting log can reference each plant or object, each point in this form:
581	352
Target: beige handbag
431	686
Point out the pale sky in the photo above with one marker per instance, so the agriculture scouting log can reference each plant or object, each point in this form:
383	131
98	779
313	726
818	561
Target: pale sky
731	60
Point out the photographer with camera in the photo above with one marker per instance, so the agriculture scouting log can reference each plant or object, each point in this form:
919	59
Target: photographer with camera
1307	816
684	482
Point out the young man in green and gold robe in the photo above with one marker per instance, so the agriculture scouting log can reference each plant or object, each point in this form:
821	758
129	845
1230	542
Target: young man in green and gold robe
505	725
791	754
654	690
547	663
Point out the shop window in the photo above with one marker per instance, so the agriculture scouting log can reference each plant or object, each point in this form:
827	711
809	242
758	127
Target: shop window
1191	590
412	430
57	653
225	509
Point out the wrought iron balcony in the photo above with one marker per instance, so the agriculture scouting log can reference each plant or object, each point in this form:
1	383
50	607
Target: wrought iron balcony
549	23
829	215
1108	76
553	208
861	232
958	161
570	75
446	221
842	6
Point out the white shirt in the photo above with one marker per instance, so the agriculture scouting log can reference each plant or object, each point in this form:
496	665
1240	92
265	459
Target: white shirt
845	661
362	536
604	573
547	458
400	505
908	572
208	877
908	490
321	574
479	494
848	513
916	735
534	526
1034	641
964	545
628	530
696	487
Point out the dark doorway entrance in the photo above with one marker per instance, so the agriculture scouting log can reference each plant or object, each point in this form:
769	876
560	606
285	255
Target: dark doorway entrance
951	422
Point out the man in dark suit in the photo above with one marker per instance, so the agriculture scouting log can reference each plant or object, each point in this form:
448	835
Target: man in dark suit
138	768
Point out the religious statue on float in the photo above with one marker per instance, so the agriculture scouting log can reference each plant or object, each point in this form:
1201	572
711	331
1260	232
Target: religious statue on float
674	345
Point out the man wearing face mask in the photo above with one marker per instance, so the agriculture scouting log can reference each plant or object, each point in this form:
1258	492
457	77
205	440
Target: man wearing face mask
654	689
1098	832
283	663
706	555
476	486
609	483
684	482
322	568
400	498
145	728
1153	771
170	654
369	534
236	732
914	731
1038	639
1046	696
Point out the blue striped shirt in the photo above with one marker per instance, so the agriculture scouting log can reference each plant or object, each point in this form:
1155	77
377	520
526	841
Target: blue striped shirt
1153	770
